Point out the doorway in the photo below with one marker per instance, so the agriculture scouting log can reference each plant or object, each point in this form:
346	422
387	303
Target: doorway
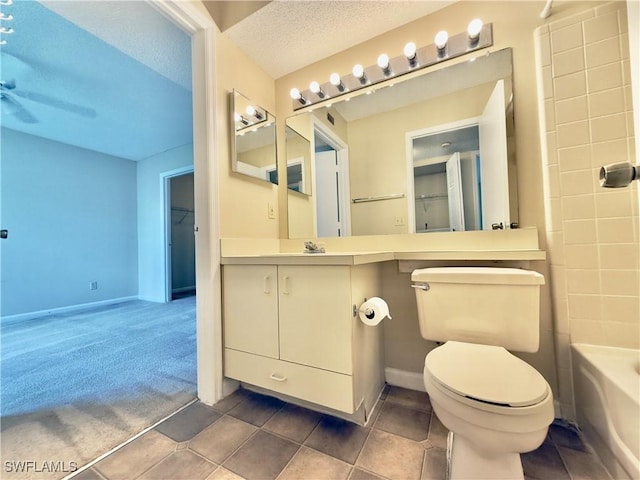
180	255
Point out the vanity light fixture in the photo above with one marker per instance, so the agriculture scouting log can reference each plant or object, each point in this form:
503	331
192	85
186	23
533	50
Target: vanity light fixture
358	72
337	82
296	95
315	88
383	63
474	29
5	17
477	36
410	51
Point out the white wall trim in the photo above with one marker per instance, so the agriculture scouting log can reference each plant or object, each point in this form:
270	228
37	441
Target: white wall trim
404	379
69	308
199	24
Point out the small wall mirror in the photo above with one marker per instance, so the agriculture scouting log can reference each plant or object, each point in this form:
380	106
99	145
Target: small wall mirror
298	161
253	139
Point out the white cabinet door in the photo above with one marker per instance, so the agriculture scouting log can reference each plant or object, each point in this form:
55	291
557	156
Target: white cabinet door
315	317
250	308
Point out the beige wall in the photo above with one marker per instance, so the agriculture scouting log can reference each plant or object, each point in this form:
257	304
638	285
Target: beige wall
243	200
593	239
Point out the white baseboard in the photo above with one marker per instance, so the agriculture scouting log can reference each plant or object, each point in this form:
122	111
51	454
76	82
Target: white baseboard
404	379
29	315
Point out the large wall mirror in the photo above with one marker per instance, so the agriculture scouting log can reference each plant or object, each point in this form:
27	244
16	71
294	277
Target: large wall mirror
431	153
253	139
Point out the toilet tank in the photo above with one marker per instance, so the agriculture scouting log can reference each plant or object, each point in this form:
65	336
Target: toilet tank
485	305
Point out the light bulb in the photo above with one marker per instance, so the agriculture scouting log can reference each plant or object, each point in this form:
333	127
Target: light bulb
358	72
250	110
296	95
441	39
236	117
410	50
383	61
411	53
315	88
474	29
336	81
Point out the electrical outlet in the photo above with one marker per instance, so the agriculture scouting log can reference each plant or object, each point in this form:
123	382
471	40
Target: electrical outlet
93	285
271	210
399	221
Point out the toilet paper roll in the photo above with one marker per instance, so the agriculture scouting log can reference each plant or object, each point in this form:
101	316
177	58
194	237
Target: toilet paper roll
373	311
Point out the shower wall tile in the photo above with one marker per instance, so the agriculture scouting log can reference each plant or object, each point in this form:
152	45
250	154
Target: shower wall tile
618	308
574	158
618	203
578	232
576	182
570	86
582	256
594	252
616	230
607	102
609	152
611	127
601	27
574	109
573	134
602	53
567	38
619	256
567	62
578	207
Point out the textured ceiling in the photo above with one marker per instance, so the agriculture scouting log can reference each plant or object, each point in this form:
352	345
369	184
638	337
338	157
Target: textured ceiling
286	35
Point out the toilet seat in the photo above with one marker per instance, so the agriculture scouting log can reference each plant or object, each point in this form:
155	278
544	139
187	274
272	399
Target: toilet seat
488	375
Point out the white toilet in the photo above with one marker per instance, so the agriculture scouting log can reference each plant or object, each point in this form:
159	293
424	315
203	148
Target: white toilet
494	404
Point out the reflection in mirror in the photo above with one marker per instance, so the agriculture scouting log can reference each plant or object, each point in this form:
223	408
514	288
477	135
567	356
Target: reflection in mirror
298	150
411	167
253	139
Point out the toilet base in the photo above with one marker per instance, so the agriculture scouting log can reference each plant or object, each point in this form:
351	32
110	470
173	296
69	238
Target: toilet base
464	462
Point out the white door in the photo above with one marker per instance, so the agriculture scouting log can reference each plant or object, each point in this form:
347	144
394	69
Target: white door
327	194
454	194
493	160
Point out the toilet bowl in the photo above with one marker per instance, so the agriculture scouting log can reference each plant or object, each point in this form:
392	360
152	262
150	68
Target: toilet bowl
496	406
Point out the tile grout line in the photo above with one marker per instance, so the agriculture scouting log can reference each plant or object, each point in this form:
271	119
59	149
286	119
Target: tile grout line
126	442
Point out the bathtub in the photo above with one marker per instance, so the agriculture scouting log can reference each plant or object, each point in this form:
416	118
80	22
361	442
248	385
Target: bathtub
607	389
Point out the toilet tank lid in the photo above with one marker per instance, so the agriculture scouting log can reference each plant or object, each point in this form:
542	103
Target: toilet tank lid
478	275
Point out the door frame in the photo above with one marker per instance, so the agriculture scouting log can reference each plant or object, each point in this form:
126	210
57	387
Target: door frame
165	178
344	192
409	138
194	20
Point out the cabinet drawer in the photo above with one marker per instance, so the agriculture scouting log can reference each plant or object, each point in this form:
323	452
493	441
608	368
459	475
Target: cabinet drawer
330	389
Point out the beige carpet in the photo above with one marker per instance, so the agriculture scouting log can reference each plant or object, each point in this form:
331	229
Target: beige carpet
83	389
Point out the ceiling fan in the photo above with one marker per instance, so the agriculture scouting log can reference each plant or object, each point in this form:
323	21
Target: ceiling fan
13	106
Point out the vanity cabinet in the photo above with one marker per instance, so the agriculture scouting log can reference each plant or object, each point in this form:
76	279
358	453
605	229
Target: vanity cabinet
291	329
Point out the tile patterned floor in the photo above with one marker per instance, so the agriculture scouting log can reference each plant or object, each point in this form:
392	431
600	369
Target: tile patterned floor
256	437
